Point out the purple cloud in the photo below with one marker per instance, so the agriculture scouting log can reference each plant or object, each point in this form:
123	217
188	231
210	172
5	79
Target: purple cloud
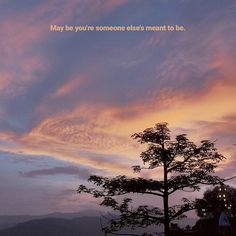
59	170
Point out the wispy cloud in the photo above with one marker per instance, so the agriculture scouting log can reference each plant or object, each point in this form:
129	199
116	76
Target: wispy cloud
60	170
79	97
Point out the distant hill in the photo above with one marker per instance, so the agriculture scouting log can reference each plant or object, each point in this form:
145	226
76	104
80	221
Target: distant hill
83	226
62	224
7	221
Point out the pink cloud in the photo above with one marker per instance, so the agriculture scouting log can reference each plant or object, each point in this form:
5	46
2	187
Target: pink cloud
24	30
69	86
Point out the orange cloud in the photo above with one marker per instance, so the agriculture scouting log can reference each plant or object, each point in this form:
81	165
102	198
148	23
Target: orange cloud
106	129
64	138
68	87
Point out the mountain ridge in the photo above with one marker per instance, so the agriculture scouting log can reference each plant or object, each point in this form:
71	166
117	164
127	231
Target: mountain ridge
82	226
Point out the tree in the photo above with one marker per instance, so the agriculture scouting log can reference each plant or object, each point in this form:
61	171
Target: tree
184	167
222	196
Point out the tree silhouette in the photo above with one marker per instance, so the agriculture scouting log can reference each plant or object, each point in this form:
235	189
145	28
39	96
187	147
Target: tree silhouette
222	196
183	165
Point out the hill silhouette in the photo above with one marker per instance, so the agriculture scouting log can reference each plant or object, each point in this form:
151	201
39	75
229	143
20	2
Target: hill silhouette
82	226
62	224
7	221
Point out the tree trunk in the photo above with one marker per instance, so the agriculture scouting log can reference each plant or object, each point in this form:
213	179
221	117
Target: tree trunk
165	197
166	215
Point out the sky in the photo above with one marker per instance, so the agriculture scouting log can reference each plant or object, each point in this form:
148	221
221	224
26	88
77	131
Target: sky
69	102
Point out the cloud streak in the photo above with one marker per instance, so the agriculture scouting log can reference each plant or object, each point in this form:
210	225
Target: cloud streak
79	97
60	170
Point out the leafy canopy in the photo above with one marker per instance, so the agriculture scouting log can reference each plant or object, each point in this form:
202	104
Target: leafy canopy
184	167
216	199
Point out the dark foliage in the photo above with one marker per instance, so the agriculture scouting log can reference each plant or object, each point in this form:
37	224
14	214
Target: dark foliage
184	167
222	196
56	227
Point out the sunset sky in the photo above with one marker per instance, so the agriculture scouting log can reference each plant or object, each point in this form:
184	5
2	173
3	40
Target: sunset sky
69	102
